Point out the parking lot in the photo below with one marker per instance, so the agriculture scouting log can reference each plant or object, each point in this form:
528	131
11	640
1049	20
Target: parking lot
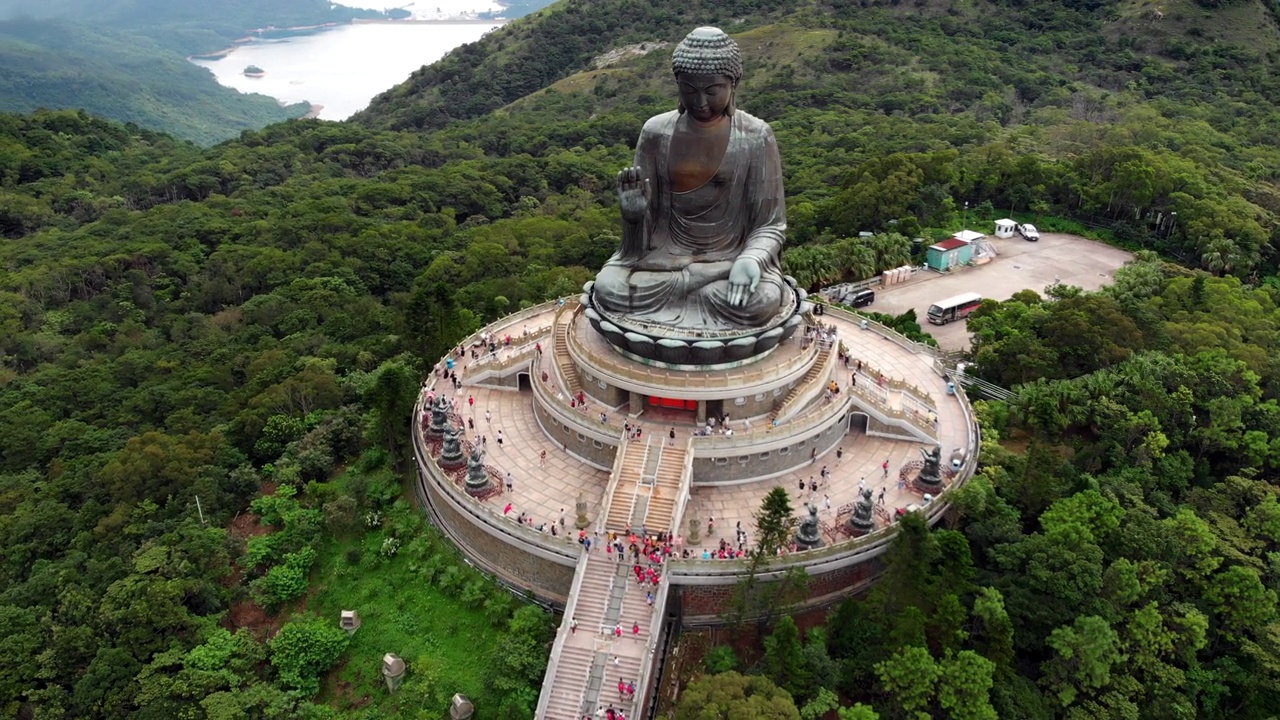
1018	265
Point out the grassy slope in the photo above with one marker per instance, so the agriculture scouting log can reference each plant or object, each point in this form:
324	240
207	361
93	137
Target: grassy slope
444	643
1026	56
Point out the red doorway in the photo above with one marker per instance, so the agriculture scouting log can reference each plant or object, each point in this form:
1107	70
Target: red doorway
672	403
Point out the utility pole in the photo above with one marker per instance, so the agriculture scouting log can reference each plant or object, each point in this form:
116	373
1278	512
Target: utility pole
200	510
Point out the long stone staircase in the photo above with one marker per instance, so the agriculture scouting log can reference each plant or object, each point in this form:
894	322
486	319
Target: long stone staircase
587	665
593	660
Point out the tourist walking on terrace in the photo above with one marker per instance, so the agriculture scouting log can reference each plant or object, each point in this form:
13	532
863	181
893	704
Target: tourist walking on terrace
885	466
672	436
509	481
542	459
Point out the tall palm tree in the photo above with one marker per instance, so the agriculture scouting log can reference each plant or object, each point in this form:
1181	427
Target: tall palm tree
892	250
858	259
1220	256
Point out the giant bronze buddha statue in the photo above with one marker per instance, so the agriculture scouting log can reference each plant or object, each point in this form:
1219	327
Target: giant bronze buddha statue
698	279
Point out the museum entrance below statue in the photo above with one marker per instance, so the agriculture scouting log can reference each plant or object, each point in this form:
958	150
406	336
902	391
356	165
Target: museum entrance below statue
670	410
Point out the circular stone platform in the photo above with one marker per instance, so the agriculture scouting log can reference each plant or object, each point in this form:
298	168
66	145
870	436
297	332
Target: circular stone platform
561	451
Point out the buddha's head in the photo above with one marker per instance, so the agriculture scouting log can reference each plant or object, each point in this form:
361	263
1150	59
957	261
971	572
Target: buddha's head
707	66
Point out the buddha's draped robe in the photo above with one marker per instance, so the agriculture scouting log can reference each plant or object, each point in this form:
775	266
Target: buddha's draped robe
680	279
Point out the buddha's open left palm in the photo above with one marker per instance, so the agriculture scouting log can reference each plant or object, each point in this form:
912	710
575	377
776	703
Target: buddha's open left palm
744	277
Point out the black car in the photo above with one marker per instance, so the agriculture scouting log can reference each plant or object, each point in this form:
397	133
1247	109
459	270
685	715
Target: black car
859	298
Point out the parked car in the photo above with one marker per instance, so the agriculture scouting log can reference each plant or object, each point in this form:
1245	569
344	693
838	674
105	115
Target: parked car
1029	232
859	298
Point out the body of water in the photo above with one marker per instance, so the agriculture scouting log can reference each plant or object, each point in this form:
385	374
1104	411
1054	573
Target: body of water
343	68
430	9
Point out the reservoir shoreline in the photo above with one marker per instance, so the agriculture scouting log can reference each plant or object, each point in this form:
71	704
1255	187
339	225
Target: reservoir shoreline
302	30
338	68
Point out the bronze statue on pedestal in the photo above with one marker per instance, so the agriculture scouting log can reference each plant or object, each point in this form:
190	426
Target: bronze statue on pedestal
698	278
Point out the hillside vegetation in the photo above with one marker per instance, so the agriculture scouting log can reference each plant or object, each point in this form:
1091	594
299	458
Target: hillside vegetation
248	324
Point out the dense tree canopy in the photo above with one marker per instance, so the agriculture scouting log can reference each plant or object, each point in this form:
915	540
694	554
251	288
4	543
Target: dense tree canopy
194	336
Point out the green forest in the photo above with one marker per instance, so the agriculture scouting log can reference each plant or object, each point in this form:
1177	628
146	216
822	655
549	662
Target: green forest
207	356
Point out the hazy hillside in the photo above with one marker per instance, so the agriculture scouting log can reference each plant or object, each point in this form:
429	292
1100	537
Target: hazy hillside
187	26
125	59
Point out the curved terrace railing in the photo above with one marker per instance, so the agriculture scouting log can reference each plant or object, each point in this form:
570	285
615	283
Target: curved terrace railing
507	321
816	420
885	332
507	357
588	423
563	548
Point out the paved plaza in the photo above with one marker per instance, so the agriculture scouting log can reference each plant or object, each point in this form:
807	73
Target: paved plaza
543	490
1019	265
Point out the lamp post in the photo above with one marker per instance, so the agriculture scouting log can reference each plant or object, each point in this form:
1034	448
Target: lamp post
1173	221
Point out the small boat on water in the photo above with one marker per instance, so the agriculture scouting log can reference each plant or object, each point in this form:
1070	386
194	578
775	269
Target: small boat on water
254	71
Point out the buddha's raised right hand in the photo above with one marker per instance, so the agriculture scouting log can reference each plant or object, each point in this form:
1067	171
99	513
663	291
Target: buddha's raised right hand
633	194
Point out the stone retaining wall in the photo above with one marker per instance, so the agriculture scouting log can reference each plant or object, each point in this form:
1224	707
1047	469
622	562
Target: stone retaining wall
507	557
709	604
592	451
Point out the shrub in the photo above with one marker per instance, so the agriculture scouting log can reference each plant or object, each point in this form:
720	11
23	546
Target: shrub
473	595
451	580
287	580
722	658
304	650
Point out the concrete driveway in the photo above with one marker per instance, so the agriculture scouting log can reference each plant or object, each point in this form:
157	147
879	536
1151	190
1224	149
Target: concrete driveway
1019	265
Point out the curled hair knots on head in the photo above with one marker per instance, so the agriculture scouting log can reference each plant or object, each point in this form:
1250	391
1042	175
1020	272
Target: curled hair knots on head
708	51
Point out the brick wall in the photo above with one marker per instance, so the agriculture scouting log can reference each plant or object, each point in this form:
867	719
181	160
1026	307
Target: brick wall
705	604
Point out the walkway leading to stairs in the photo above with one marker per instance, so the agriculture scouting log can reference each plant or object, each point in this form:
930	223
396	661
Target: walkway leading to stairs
587	664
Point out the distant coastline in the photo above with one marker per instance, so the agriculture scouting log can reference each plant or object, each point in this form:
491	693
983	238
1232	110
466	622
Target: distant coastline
281	33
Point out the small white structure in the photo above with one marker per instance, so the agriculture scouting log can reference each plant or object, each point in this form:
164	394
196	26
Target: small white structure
968	236
393	671
1006	227
350	621
461	708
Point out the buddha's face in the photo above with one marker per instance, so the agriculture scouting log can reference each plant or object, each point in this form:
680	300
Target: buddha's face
705	97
